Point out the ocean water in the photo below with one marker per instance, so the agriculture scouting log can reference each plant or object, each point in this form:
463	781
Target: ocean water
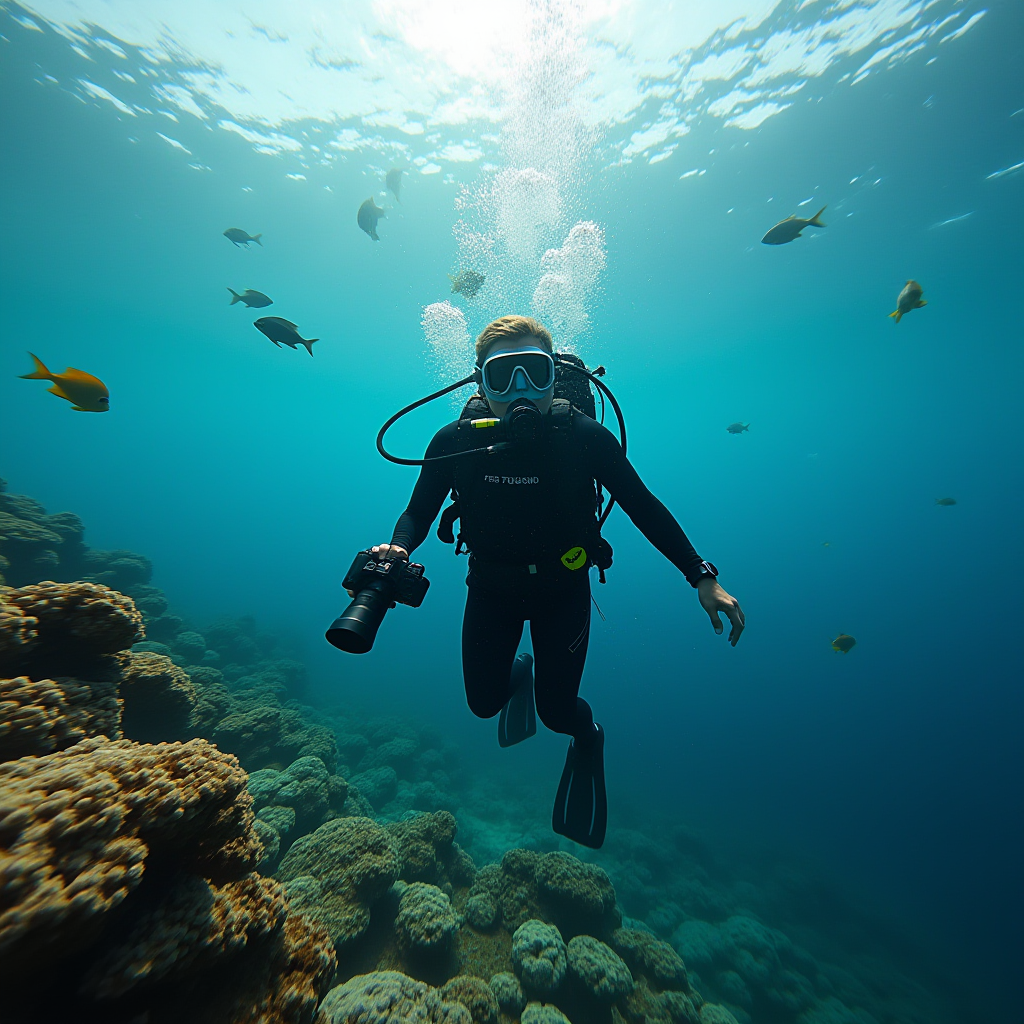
888	781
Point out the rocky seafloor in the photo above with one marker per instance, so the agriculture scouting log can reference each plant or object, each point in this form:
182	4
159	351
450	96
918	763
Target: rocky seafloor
183	838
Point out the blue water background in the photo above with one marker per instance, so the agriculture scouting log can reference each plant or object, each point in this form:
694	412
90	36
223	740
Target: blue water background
248	474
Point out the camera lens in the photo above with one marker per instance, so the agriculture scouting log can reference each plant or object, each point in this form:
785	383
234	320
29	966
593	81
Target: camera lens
356	628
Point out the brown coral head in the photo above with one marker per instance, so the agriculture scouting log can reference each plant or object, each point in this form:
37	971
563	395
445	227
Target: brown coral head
77	623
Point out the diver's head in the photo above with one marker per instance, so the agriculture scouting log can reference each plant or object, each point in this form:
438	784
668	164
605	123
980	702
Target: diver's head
514	355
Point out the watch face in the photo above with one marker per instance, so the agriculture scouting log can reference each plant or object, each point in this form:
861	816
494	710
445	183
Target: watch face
709	568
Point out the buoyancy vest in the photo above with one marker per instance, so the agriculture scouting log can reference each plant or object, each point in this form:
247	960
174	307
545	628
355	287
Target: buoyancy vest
533	507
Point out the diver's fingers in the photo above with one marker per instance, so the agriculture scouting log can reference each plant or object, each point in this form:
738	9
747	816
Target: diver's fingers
735	614
382	552
716	621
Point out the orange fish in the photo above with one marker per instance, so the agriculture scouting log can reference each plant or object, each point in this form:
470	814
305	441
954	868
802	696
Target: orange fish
844	643
85	392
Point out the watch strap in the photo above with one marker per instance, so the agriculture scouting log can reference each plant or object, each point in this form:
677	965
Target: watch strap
706	571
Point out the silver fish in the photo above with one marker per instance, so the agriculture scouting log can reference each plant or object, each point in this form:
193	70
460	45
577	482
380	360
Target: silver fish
240	237
252	299
790	228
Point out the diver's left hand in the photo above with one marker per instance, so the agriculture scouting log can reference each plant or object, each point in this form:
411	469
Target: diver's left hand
714	599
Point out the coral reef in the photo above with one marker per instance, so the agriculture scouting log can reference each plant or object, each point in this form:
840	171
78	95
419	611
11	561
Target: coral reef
542	1013
475	995
754	969
426	923
253	725
539	957
599	969
36	546
131	864
73	626
158	698
353	862
555	887
508	993
428	851
79	825
652	957
38	716
384	997
138	871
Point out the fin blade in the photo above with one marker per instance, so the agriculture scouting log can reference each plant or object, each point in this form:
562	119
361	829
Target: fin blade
815	221
256	239
237	297
896	316
308	342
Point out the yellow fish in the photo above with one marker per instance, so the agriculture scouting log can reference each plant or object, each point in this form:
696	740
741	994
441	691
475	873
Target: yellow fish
85	392
844	643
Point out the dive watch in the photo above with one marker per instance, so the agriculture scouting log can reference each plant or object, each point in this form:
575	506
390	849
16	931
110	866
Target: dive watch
708	571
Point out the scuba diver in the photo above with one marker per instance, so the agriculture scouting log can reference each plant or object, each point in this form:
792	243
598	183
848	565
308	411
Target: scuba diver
526	471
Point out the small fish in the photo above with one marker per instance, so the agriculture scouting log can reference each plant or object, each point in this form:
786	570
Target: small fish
85	392
240	237
826	543
945	501
790	228
468	282
394	182
252	299
738	428
367	217
283	332
910	298
844	643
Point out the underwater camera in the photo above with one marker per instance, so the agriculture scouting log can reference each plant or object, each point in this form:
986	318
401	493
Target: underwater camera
377	587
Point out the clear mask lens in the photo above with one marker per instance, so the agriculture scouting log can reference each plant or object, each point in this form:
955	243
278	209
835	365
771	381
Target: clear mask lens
499	371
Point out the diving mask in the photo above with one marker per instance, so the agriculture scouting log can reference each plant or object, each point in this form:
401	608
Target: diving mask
518	373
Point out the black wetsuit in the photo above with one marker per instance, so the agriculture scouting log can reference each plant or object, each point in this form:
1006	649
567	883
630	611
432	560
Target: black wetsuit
528	514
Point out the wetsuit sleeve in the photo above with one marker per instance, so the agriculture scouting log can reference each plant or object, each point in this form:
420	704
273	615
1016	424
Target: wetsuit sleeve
615	472
434	483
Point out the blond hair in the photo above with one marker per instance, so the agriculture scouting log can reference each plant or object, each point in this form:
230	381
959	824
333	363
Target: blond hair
507	328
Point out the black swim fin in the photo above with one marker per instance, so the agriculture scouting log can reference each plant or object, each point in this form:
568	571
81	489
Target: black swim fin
581	804
518	719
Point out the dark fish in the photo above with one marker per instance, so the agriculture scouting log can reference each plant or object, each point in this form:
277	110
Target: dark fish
253	299
394	182
910	298
844	643
240	237
945	501
367	217
738	428
283	332
790	228
468	282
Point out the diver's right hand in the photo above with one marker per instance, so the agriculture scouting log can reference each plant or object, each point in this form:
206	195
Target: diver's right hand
384	552
388	552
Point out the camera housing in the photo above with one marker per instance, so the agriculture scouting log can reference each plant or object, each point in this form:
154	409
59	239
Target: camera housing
377	586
